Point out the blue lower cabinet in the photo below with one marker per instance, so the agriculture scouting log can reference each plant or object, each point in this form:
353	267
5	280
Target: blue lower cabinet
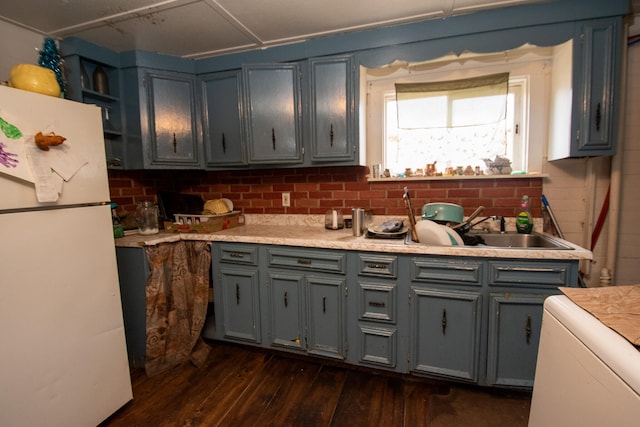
445	332
133	272
469	320
286	303
240	304
326	309
515	321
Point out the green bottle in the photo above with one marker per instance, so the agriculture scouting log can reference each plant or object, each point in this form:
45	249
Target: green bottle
118	229
524	220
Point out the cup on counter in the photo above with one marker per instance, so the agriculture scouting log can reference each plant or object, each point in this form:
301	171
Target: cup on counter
357	221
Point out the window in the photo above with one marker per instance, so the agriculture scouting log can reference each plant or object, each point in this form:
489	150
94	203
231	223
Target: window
448	137
530	69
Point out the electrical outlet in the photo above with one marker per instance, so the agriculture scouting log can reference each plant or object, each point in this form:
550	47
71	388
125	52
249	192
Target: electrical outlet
286	199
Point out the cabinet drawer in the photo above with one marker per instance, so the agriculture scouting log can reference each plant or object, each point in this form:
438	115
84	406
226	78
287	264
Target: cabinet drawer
529	273
378	265
330	261
239	254
463	272
378	346
377	302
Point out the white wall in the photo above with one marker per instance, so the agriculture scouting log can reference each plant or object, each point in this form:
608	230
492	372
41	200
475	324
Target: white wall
17	46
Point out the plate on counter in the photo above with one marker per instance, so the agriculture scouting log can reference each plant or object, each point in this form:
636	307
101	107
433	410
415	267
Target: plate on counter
377	233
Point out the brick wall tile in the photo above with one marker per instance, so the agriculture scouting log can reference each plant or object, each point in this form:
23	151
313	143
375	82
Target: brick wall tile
315	190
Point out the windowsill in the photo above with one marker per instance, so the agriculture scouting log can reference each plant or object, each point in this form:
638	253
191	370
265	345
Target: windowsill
458	177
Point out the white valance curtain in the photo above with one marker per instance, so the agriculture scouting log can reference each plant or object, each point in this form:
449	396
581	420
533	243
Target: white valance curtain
453	103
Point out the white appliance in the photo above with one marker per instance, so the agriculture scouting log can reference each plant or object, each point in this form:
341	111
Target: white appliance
586	375
63	360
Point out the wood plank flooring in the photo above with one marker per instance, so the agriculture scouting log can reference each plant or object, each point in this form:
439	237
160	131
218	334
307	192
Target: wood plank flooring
245	386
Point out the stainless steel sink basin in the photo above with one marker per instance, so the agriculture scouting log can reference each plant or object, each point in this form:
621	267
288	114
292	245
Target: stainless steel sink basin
512	240
521	241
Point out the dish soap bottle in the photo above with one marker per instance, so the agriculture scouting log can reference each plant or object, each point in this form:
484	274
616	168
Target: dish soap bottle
118	229
524	221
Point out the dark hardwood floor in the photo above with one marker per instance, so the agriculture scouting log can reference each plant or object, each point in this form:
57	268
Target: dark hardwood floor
244	386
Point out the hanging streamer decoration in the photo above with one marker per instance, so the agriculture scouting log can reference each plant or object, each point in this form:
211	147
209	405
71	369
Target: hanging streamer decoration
50	58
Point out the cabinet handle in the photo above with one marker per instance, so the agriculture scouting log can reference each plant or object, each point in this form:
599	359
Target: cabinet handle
528	329
237	294
236	255
303	261
379	304
598	116
531	270
376	266
286	302
273	138
331	135
175	144
324	304
224	144
444	321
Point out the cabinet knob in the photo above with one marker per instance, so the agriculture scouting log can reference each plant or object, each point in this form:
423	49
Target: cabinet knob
528	329
598	116
237	294
286	302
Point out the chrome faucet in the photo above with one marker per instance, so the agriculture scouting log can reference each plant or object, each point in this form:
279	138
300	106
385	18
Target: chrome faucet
494	217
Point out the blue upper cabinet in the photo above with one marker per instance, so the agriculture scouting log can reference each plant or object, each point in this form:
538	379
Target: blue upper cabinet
331	94
223	133
272	103
163	119
597	88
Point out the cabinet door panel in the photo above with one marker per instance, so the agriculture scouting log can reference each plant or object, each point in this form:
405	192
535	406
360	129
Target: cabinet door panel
286	303
223	135
331	103
240	299
326	316
273	113
378	346
446	330
515	321
172	119
600	56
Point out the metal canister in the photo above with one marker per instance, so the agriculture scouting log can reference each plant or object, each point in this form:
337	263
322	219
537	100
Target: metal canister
357	215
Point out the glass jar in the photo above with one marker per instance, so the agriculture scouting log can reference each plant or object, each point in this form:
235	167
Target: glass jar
147	217
333	220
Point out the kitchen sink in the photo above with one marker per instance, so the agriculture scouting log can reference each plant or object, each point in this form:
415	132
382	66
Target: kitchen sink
513	240
521	241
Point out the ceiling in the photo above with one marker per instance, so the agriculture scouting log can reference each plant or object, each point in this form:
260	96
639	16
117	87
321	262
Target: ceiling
205	28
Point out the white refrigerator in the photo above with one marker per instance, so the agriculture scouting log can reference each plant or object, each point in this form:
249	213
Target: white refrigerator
63	358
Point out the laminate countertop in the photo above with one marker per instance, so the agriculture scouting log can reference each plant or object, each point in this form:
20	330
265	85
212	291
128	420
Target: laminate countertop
310	234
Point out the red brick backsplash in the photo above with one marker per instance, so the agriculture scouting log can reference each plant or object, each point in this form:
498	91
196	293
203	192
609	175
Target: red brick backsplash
315	190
